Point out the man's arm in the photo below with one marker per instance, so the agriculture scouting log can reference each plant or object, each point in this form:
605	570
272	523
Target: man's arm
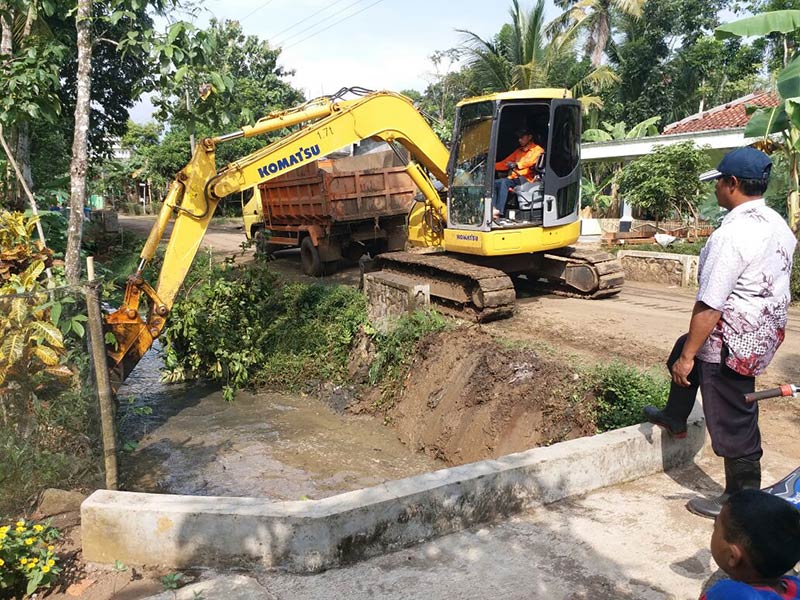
503	164
704	319
530	157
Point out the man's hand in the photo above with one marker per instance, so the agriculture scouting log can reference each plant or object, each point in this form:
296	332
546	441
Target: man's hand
511	165
680	371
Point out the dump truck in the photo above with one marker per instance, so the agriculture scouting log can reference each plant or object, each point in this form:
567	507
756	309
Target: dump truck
333	209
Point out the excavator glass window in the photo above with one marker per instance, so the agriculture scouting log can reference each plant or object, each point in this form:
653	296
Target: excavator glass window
469	165
565	148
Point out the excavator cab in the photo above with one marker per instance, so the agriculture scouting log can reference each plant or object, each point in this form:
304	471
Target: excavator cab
485	133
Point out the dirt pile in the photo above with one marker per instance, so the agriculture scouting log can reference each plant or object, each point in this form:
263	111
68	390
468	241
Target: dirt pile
467	398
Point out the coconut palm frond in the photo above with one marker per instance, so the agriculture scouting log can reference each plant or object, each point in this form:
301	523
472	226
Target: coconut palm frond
474	43
631	8
590	102
601	78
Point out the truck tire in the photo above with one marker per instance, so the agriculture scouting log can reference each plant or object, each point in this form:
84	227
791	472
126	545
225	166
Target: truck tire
309	258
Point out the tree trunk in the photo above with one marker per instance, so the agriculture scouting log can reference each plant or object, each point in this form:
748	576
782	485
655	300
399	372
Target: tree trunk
80	144
24	153
6	49
23	133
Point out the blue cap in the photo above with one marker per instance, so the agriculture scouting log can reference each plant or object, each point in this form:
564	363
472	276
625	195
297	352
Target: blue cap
742	163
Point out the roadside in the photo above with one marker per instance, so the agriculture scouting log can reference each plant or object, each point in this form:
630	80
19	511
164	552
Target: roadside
631	541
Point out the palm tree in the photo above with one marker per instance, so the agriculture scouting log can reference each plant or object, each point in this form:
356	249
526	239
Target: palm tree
596	18
528	53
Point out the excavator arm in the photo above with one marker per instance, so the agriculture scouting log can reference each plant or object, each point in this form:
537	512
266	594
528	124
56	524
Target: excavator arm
198	187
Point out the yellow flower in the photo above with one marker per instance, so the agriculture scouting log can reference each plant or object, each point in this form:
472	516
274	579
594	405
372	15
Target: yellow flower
19	529
23	561
37	528
50	548
51	563
30	541
2	562
20	523
4	529
45	569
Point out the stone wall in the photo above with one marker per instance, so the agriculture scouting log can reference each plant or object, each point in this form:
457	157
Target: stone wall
660	267
390	295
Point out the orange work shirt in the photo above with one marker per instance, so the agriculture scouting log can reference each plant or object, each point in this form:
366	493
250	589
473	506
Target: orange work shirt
525	158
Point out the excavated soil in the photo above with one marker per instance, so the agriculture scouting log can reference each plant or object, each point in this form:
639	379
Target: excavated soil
467	398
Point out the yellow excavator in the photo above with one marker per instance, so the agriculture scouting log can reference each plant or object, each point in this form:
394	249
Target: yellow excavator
475	256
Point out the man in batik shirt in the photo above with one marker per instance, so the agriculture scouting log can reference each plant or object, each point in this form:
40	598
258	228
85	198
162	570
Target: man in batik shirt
738	322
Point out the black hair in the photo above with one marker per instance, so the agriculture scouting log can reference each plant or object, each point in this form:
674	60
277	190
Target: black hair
751	187
768	529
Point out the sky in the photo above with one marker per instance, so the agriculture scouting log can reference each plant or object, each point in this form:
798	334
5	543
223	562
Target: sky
376	44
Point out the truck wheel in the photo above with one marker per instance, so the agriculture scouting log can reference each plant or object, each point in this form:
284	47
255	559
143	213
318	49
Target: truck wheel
309	258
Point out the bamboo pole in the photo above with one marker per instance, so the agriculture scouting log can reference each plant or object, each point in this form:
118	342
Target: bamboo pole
104	393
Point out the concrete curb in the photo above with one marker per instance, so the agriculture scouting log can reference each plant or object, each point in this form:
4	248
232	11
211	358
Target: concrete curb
182	531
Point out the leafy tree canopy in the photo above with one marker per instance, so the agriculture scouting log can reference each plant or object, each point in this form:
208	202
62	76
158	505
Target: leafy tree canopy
219	78
666	181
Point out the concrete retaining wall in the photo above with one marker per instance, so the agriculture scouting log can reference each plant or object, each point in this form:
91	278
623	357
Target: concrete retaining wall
391	295
183	531
660	267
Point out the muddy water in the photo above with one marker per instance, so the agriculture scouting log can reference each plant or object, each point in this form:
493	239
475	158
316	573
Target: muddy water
279	446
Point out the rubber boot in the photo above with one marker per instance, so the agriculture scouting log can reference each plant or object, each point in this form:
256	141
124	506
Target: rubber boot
740	474
676	413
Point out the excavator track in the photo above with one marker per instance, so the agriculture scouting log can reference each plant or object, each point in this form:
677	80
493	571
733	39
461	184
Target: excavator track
458	288
606	279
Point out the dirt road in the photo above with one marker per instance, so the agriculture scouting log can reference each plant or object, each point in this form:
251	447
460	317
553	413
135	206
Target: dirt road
638	326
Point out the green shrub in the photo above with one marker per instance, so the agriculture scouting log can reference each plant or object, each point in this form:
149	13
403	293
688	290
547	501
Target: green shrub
395	349
239	325
622	392
795	280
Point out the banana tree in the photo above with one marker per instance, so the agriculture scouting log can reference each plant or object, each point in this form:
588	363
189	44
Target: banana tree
783	121
601	177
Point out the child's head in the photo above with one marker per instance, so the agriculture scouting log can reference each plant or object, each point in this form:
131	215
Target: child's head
756	533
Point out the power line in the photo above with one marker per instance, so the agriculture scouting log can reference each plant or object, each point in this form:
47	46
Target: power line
332	24
320	22
255	10
301	21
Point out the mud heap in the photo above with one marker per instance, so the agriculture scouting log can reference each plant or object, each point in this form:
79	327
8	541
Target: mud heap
468	398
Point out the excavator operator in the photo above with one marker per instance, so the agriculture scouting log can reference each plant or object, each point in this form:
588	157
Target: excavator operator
519	165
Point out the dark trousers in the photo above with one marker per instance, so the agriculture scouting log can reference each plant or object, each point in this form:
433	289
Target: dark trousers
501	191
732	423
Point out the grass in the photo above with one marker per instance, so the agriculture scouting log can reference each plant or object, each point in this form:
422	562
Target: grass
691	248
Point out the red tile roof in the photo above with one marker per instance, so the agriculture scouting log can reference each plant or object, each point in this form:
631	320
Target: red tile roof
726	116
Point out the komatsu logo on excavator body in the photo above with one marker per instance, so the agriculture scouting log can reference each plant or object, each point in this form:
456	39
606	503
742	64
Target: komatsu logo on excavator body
301	155
467	238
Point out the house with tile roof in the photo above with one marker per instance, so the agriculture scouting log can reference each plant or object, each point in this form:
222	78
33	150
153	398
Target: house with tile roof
732	115
721	128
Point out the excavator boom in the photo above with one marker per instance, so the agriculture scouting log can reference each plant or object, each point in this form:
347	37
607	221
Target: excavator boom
198	187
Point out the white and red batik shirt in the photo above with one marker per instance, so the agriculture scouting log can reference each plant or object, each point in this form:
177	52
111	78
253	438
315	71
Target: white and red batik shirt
745	268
